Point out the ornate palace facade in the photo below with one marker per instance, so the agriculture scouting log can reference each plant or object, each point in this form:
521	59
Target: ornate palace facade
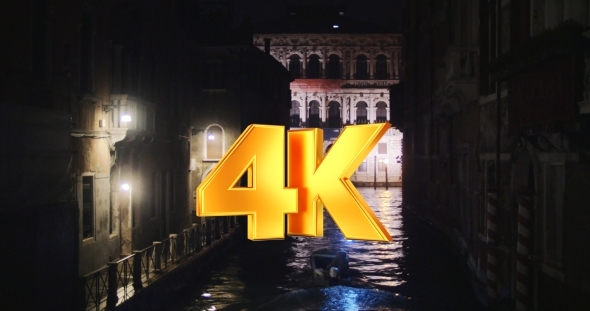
343	79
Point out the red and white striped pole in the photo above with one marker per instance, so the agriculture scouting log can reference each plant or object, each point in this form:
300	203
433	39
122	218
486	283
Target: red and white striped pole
492	267
523	267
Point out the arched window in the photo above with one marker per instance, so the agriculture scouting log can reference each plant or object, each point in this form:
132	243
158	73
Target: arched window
361	113
214	142
334	114
334	67
295	119
295	66
362	71
314	70
381	112
381	67
314	114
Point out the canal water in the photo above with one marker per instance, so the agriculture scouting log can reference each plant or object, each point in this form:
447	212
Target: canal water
417	271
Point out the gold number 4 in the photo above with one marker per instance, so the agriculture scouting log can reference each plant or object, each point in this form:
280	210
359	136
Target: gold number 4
313	182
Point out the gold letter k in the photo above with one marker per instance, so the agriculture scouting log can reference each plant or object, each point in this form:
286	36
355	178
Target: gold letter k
327	181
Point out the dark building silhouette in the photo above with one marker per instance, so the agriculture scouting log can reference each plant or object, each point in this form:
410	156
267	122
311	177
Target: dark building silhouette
99	102
495	142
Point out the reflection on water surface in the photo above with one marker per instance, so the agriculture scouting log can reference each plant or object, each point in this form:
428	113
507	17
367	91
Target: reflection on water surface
416	264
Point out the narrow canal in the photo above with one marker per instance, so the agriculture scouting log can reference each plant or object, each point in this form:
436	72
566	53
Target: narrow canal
418	266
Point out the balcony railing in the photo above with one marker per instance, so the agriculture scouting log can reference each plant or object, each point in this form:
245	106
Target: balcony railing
118	281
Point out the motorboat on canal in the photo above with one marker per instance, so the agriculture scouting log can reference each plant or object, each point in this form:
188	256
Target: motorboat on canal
322	276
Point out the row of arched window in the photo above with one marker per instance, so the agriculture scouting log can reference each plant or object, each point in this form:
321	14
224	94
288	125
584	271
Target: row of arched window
334	67
334	113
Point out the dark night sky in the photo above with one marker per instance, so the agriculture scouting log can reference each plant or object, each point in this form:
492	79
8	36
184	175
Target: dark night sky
376	11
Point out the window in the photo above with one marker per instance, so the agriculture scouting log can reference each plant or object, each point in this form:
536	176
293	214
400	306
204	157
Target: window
381	112
214	75
295	118
314	114
87	207
214	142
114	202
382	148
334	114
334	67
361	113
554	196
363	166
381	67
361	67
314	69
295	66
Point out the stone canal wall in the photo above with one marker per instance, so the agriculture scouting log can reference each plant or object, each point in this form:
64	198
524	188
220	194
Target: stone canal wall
171	285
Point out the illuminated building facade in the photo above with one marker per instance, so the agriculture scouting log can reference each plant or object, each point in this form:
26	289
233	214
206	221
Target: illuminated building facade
344	79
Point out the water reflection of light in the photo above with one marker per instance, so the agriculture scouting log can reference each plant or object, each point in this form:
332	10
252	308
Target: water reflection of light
349	301
376	263
370	259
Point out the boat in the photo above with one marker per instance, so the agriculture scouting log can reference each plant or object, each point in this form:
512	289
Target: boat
320	259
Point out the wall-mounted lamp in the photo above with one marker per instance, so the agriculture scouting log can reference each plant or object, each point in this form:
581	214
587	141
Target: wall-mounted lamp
125	116
210	136
125	187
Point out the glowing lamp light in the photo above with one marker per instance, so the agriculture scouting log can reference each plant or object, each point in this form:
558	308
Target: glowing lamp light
125	117
211	137
335	26
125	187
206	295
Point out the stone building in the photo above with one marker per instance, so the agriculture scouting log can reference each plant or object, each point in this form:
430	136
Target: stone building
99	101
239	85
495	144
342	77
